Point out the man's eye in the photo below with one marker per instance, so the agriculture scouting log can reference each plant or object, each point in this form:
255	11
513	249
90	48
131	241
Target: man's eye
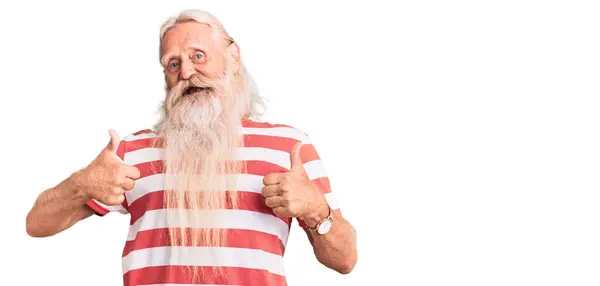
198	56
173	65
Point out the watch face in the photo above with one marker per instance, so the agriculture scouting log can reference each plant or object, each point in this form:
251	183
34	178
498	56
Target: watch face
324	227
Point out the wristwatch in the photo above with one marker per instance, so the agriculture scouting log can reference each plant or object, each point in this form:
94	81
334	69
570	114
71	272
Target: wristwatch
324	225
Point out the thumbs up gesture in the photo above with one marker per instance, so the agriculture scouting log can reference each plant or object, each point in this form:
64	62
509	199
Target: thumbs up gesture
291	194
107	178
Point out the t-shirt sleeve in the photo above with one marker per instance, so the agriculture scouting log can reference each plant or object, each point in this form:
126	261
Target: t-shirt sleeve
102	209
315	170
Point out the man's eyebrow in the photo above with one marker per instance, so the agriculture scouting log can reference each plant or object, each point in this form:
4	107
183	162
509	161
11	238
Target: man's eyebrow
198	47
166	58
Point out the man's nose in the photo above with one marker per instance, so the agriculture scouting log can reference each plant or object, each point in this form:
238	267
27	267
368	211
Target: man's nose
187	70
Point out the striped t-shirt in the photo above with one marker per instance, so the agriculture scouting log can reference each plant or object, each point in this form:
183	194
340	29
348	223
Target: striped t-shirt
256	238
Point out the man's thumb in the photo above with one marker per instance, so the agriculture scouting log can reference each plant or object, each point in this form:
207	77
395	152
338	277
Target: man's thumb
295	159
113	144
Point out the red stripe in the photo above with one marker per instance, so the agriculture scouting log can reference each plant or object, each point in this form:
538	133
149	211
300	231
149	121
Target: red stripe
245	123
240	238
308	153
246	201
101	211
250	140
259	168
181	275
121	149
262	168
322	184
144	131
143	143
271	142
148	202
254	124
150	168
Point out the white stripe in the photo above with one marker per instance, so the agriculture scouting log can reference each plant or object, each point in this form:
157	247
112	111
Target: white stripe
286	132
277	157
204	256
144	155
118	208
249	183
145	186
156	182
315	169
132	137
229	218
332	201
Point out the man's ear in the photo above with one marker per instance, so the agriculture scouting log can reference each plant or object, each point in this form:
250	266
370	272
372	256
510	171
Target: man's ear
234	52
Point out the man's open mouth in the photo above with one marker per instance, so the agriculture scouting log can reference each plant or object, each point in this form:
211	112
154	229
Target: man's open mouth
194	89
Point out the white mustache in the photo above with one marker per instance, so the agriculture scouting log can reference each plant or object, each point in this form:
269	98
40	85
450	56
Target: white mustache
196	80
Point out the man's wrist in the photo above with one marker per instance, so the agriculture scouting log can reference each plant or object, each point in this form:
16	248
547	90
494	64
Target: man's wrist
76	186
321	213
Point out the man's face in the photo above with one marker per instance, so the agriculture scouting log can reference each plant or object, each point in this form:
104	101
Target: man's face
189	48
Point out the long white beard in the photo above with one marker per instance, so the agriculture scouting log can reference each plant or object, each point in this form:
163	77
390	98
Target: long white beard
200	137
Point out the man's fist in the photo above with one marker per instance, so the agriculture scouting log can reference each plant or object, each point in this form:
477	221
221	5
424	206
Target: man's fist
292	194
107	178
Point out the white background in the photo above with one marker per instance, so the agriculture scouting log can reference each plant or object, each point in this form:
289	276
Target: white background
461	137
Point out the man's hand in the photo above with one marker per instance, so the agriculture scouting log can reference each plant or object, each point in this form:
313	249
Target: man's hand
107	178
291	194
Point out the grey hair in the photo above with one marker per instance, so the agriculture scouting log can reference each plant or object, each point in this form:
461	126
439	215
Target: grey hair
254	103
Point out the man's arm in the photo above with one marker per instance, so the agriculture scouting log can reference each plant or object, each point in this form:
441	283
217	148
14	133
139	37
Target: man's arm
292	194
58	208
337	248
105	180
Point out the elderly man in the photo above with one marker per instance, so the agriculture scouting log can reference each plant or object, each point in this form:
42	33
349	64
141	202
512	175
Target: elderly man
210	191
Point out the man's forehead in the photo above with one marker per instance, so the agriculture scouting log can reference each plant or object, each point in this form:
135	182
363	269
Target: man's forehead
185	34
